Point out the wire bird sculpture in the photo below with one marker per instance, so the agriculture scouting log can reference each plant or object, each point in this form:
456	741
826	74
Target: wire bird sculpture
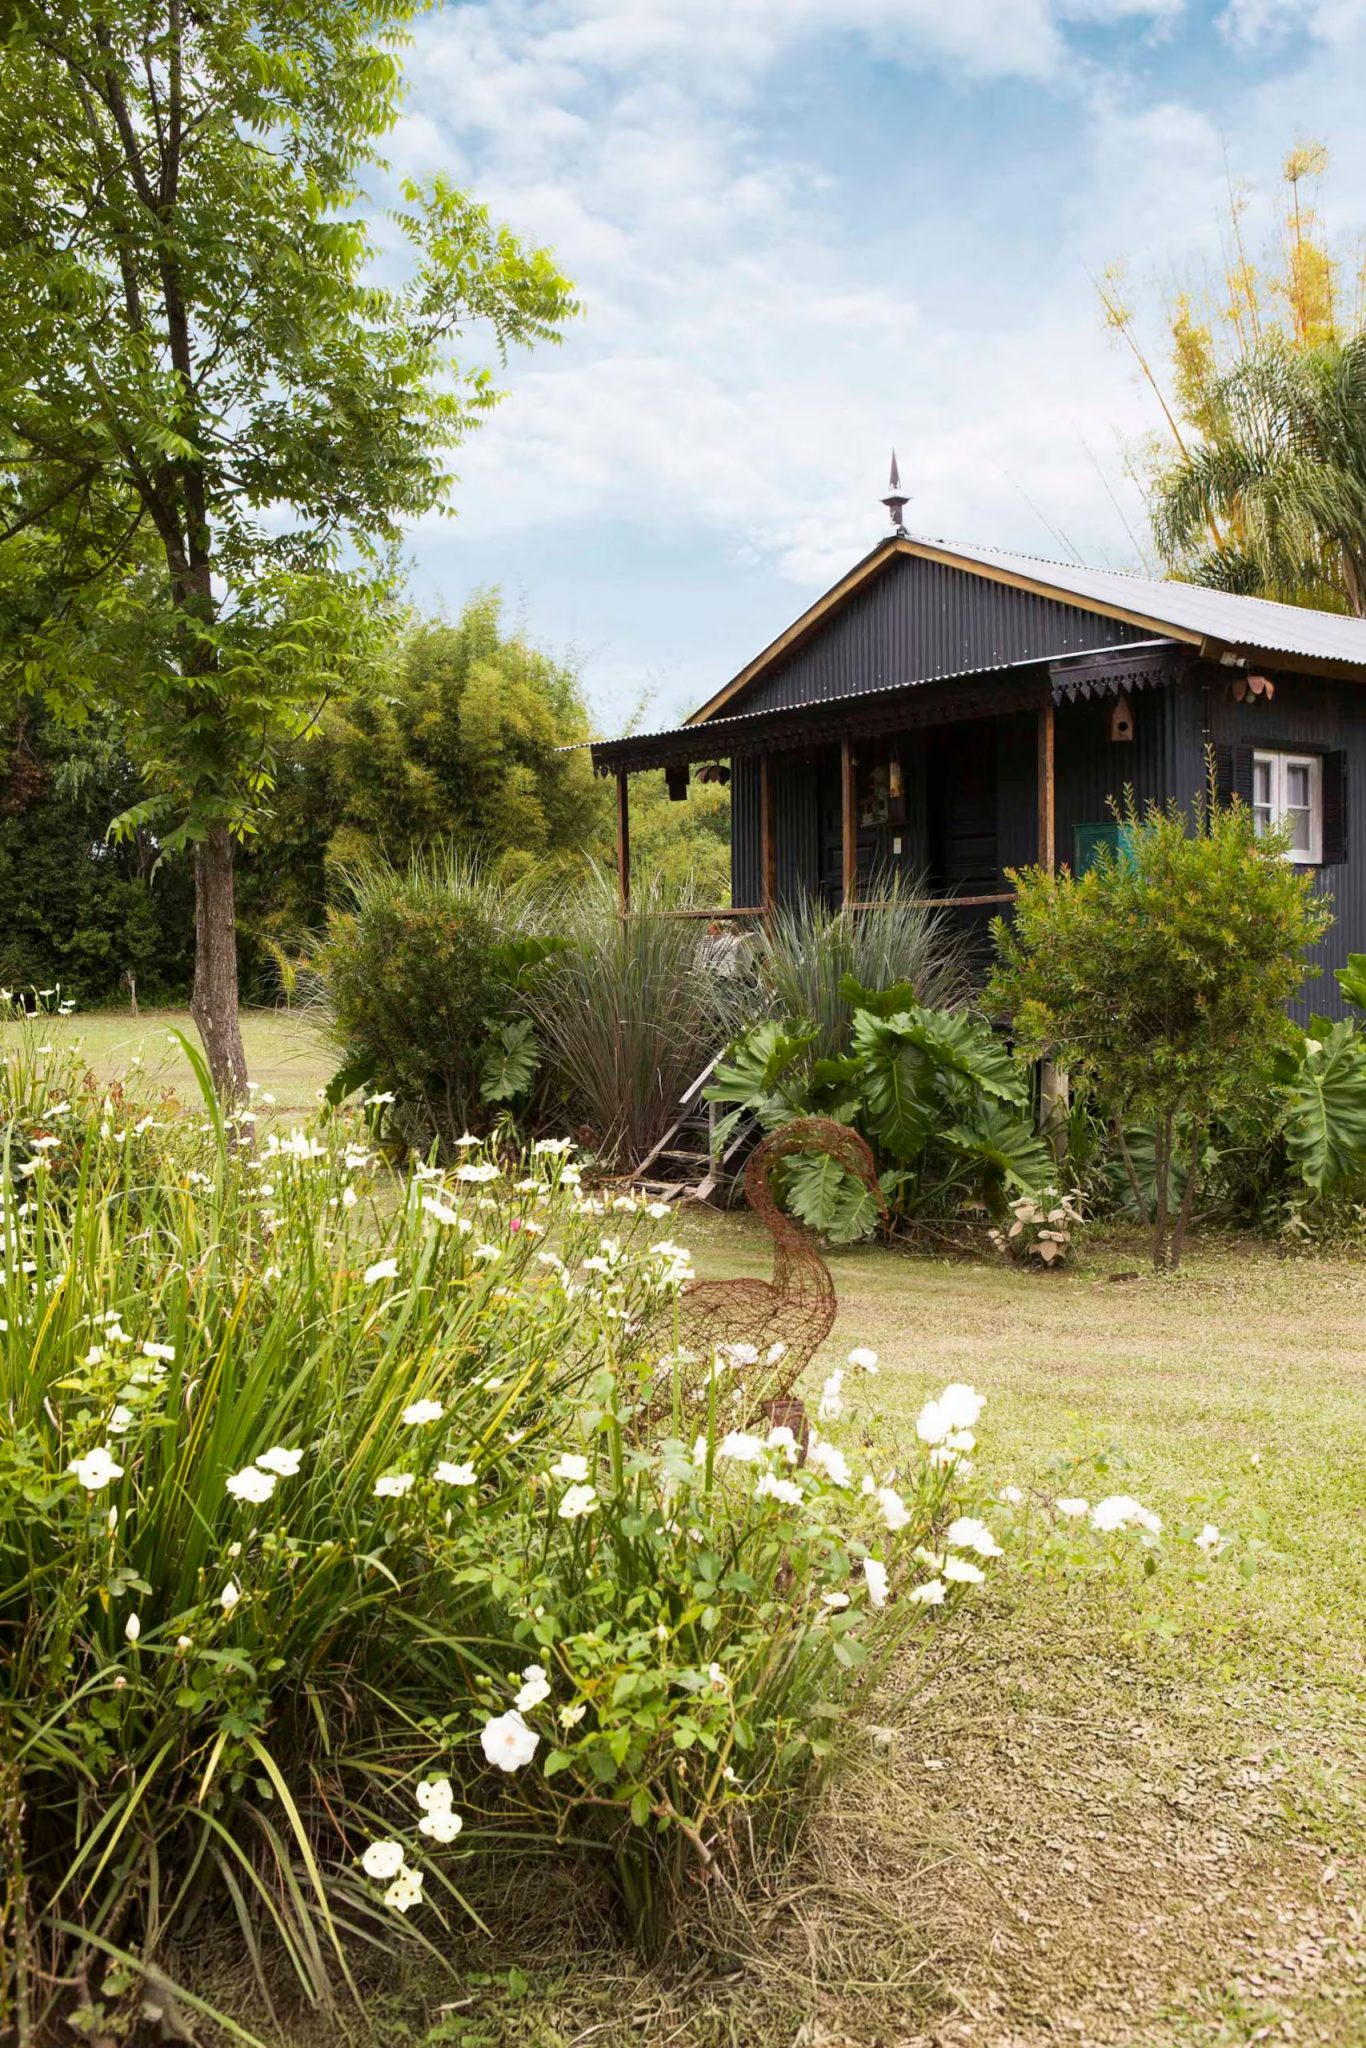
765	1332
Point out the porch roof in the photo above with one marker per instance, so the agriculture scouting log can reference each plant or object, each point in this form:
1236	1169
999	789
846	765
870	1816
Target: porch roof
933	700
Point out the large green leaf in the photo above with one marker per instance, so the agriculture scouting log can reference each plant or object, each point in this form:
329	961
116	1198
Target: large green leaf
1352	979
1325	1108
966	1045
830	1199
762	1073
900	1104
1007	1143
509	1062
879	1002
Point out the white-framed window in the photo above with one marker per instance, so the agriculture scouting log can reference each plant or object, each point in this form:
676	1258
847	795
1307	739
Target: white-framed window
1287	789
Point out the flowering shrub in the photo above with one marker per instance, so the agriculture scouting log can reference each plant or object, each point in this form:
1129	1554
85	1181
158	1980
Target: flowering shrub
1041	1228
692	1620
245	1390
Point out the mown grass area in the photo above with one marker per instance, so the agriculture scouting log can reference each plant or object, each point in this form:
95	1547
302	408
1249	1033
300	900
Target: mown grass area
1116	1811
287	1056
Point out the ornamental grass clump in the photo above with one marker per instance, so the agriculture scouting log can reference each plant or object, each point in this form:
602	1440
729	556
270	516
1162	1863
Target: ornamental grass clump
262	1405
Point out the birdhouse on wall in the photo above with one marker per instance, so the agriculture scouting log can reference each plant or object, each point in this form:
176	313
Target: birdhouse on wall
1251	689
1120	720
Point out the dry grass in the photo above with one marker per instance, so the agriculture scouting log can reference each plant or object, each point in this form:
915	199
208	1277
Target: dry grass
1110	1812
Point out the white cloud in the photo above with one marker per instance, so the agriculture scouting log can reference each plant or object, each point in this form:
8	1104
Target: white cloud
1251	23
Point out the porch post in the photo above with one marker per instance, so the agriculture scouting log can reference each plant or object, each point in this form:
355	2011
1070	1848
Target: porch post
768	851
848	822
623	843
1048	852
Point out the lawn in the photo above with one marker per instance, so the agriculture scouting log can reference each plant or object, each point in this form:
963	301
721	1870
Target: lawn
1111	1812
286	1054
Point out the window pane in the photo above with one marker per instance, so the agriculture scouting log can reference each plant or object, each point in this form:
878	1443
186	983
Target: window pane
1261	814
1297	785
1298	822
1261	782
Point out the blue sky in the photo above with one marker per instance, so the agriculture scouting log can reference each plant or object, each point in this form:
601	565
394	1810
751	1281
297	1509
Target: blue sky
804	230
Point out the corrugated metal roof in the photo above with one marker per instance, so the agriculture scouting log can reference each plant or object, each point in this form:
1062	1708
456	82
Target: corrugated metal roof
1253	622
723	725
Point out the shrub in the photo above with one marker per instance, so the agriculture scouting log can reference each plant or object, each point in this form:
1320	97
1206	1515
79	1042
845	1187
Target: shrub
934	1092
427	970
1160	977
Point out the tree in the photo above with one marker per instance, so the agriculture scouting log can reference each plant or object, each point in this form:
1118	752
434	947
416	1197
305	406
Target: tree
216	412
1160	978
1259	483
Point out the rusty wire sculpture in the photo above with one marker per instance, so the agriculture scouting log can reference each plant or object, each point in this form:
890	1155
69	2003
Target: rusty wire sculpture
764	1333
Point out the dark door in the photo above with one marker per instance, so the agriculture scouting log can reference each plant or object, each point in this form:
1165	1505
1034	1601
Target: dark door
962	809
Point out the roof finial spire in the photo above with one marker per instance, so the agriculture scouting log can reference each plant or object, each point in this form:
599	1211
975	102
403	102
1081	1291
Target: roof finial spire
896	499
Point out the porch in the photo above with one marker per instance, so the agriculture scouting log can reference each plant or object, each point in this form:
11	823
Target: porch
951	783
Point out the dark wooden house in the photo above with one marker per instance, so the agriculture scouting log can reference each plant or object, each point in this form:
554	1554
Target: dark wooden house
948	713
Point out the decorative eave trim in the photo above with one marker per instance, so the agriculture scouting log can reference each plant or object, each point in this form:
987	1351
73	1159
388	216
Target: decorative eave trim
1121	671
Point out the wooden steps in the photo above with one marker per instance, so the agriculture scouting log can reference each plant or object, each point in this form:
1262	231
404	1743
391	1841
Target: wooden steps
683	1166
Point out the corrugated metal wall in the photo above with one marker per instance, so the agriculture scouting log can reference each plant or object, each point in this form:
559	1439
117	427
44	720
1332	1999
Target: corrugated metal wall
921	619
1317	715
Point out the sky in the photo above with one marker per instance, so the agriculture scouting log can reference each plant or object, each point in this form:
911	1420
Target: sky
806	231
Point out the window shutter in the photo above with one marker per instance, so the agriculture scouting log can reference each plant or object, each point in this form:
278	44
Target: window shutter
1334	809
1233	771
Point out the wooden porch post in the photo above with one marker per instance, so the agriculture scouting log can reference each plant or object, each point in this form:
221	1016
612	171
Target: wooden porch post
1048	852
768	850
848	821
623	843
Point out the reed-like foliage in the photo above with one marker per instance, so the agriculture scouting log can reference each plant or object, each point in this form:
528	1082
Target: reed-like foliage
631	1014
803	953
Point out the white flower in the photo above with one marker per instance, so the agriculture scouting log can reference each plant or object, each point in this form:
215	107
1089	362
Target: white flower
967	1533
454	1475
578	1500
283	1462
534	1689
780	1438
251	1485
932	1594
569	1465
835	1600
827	1458
875	1575
1074	1507
441	1824
162	1351
440	1212
862	1359
433	1795
405	1891
743	1448
1011	1495
1122	1511
229	1596
963	1573
349	1198
957	1408
570	1717
422	1411
831	1403
378	1100
393	1485
487	1251
94	1356
716	1678
383	1269
382	1859
95	1469
1209	1540
121	1420
507	1741
785	1490
477	1170
132	1628
895	1513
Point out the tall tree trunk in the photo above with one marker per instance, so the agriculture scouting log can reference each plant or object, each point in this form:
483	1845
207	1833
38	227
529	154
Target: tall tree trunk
213	1004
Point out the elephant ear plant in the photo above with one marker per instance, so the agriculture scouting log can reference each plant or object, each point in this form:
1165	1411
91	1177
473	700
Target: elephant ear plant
935	1092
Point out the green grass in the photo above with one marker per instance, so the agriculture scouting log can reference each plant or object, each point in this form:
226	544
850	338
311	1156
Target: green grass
286	1054
1112	1812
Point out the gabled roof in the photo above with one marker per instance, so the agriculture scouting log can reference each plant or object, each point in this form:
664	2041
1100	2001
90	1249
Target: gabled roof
1214	622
